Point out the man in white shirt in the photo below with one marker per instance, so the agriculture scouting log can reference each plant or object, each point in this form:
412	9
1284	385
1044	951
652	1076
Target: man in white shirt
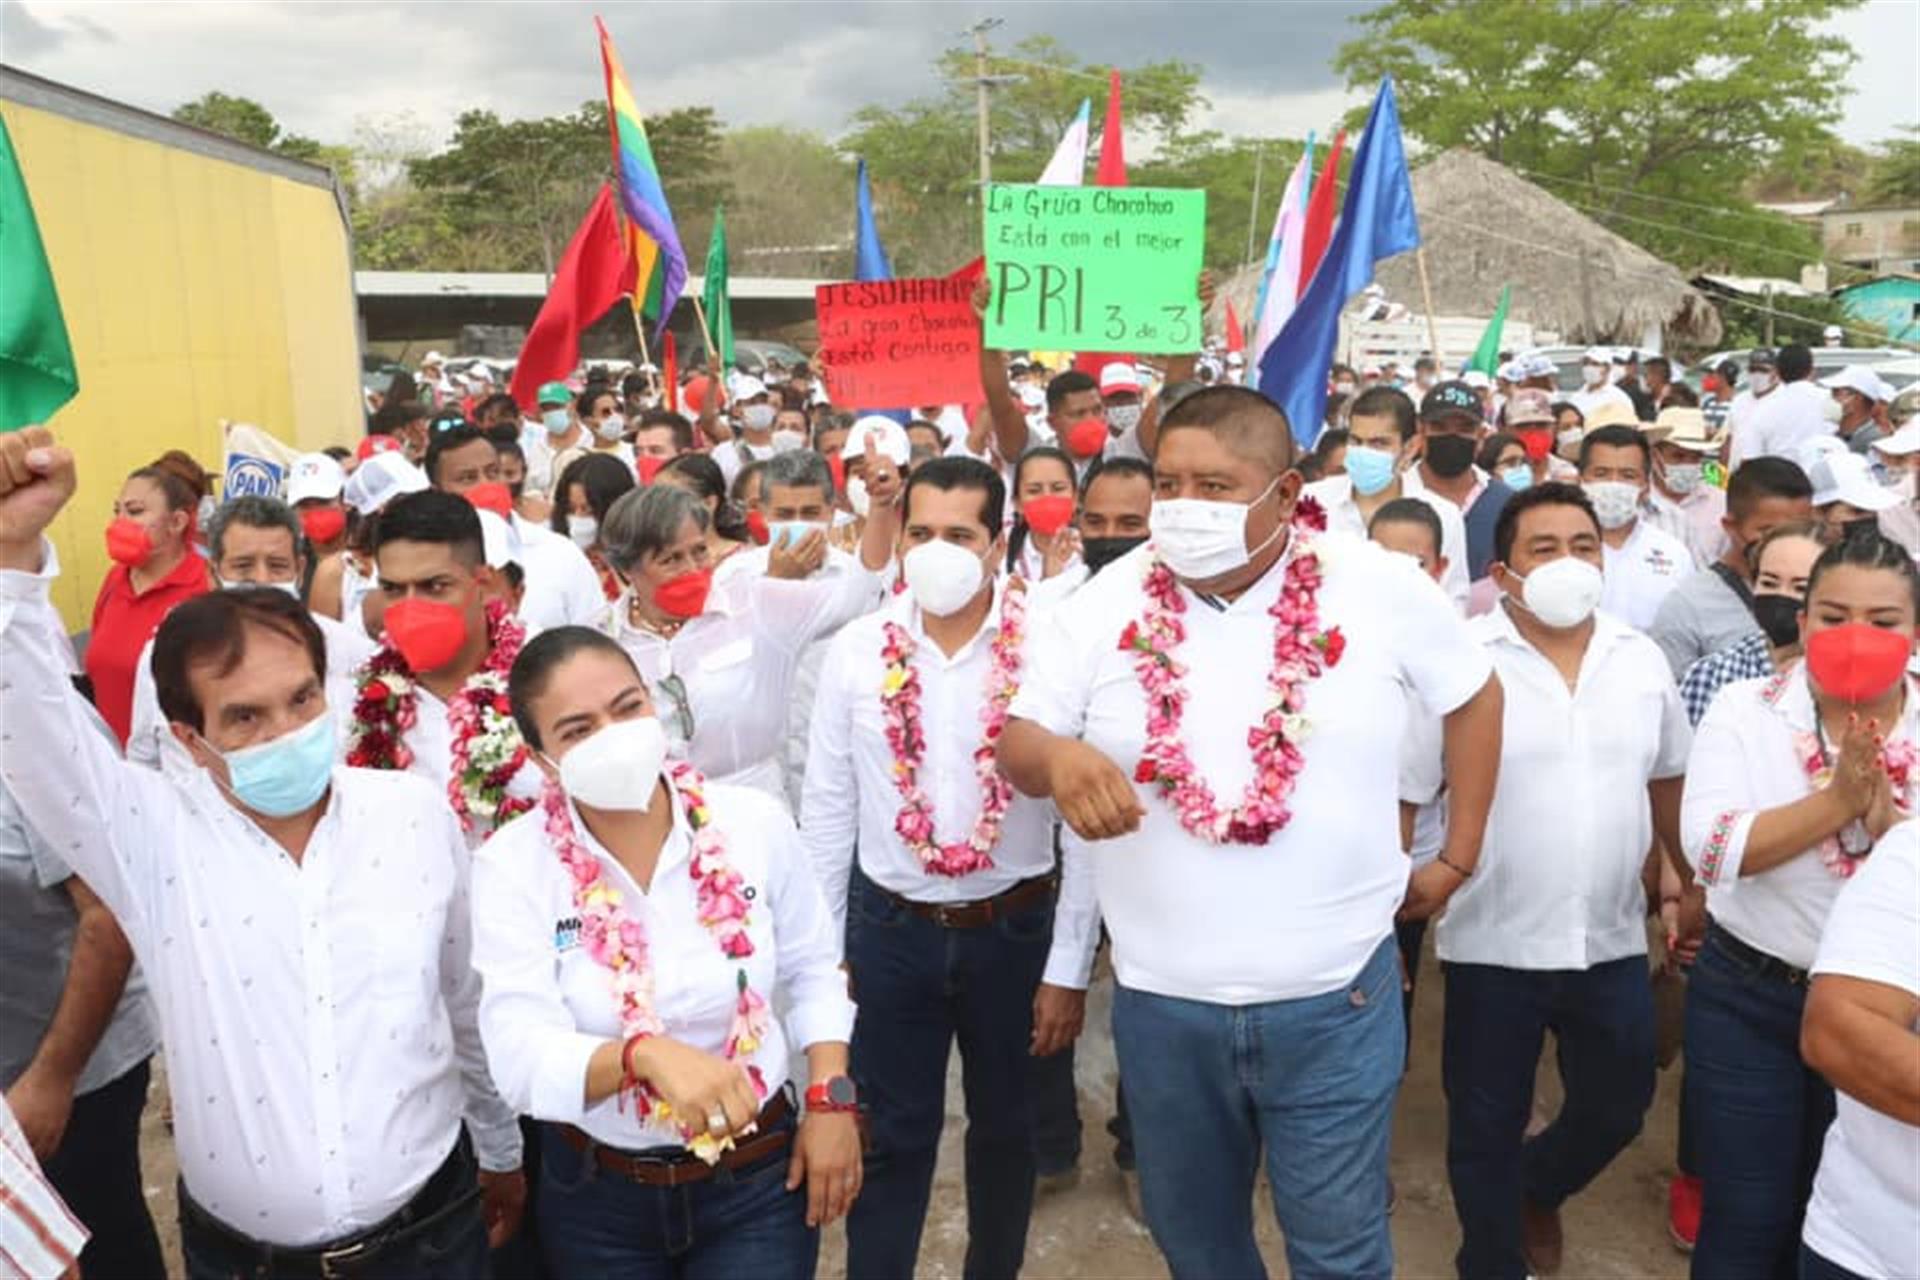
561	587
1597	387
253	542
1643	563
303	927
1680	501
1194	894
1778	424
558	432
1380	432
754	443
943	877
1551	931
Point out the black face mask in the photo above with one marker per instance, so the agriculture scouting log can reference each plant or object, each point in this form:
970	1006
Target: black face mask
1098	553
1450	455
1779	617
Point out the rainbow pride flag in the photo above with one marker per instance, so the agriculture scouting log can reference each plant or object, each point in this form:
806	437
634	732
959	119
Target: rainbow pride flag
648	223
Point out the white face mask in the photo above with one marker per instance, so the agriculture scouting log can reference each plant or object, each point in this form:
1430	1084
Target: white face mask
788	441
1594	375
1200	539
584	530
1760	383
857	496
1569	440
617	766
942	577
291	588
1124	417
1344	388
610	428
1615	502
1561	593
1831	411
757	417
1683	477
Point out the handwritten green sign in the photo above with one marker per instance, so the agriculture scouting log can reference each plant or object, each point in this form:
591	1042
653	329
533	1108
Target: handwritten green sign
1094	268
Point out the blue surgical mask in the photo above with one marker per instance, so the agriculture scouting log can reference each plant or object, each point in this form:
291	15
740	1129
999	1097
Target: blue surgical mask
287	775
1371	470
1517	477
555	421
788	533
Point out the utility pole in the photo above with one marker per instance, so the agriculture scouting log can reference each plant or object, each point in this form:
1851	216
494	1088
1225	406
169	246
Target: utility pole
982	83
1253	213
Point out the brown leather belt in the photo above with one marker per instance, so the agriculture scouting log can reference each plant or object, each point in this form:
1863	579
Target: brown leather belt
978	915
682	1168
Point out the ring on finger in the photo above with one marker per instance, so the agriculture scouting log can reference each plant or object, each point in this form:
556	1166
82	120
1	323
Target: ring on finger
716	1121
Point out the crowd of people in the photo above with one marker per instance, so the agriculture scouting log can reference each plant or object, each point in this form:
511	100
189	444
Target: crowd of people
570	839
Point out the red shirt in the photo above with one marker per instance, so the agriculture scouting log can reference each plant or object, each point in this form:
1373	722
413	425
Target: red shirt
123	623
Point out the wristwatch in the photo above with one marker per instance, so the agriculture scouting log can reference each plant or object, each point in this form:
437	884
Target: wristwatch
835	1093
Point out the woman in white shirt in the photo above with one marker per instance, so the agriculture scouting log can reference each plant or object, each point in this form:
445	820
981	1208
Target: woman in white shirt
633	934
720	661
1791	780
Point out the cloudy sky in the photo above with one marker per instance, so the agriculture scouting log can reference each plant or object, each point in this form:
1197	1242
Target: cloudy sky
325	66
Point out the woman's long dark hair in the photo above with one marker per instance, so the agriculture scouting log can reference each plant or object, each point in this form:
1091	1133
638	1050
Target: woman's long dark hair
602	475
730	519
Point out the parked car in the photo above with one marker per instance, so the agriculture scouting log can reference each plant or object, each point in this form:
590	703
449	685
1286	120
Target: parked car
750	355
1827	361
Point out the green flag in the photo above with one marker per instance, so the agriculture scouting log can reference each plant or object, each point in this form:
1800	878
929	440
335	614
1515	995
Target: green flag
719	313
36	360
1486	356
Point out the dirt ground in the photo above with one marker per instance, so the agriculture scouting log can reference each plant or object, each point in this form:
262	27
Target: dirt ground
1616	1228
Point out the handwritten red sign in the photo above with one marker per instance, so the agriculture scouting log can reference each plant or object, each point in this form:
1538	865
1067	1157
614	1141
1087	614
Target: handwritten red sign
899	343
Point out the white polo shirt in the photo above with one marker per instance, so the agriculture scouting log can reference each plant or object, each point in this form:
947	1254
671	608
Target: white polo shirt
1301	915
1335	493
1640	573
1558	882
1694	520
1862	1215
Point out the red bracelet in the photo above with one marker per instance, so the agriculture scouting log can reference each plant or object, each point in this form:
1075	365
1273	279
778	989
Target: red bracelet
629	1078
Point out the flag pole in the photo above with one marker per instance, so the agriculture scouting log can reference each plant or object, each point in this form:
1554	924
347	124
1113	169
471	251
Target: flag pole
700	314
1426	296
640	331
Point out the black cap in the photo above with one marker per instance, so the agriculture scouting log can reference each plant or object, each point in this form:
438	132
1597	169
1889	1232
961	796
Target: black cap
1760	358
1450	397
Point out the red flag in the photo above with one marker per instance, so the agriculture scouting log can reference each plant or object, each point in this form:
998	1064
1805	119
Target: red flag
594	273
1236	336
670	371
1319	228
1113	161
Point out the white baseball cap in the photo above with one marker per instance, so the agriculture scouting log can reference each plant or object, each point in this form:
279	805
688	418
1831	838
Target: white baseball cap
314	475
745	387
379	480
1598	355
1119	376
1538	365
1902	442
1476	379
1845	476
889	438
432	357
1857	377
500	539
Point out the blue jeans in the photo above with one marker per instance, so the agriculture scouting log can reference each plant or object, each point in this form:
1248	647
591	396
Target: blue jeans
739	1223
1496	1020
1815	1267
1760	1116
920	986
96	1170
1310	1080
1055	1103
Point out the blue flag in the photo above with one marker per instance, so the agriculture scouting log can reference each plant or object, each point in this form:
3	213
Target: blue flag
869	256
1376	222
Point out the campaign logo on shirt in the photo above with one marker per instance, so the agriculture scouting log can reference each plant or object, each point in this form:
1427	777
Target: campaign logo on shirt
1662	563
566	933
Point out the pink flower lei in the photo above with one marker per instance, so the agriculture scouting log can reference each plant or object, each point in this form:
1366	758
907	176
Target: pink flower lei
1897	757
900	709
1301	653
618	941
487	750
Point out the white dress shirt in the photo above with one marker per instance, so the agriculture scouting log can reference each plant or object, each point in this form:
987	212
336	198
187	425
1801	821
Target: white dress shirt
548	1004
1587	401
1776	424
1335	493
562	587
1866	1198
734	455
850	803
1201	922
1423	779
536	442
1558	882
1641	571
736	663
1694	520
1745	760
347	649
430	739
319	1017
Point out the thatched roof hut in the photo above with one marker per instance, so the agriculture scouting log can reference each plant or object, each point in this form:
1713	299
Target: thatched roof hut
1484	226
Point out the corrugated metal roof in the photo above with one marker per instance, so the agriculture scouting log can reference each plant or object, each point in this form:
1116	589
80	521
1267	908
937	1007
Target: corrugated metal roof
1758	286
532	284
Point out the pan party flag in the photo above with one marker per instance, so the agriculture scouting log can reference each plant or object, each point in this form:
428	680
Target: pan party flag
651	239
36	360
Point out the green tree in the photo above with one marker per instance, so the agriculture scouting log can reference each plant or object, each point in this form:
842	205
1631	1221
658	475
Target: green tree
1651	115
241	118
1896	170
792	195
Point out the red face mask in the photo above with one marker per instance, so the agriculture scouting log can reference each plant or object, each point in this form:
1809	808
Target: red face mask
129	543
1537	441
323	524
492	496
428	633
647	466
757	528
1857	663
1087	437
684	596
1049	513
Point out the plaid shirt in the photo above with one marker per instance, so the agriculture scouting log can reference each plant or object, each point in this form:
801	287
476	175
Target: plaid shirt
1744	659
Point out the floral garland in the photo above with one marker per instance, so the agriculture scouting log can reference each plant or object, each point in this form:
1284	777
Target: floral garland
900	709
618	941
487	750
1301	653
1897	758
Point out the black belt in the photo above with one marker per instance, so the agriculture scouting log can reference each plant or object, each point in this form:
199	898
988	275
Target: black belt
451	1189
1754	960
